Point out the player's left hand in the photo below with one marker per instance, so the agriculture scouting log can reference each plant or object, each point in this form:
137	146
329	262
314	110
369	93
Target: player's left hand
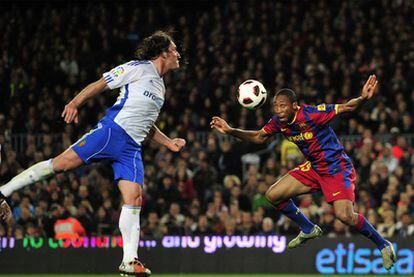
370	87
70	113
176	144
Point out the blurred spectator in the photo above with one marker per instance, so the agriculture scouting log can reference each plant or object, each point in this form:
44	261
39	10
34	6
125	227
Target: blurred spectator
205	176
67	227
203	228
405	227
286	227
174	220
387	158
151	227
387	228
289	151
230	228
339	230
267	227
259	199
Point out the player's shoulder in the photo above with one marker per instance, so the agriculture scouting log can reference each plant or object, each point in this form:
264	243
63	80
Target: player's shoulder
272	126
316	108
274	120
129	66
137	63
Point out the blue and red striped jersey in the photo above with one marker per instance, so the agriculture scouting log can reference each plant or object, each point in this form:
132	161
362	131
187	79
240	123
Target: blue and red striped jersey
310	131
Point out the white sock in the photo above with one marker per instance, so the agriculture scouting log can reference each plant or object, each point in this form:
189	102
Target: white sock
35	173
129	226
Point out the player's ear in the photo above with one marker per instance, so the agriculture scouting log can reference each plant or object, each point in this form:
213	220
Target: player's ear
295	105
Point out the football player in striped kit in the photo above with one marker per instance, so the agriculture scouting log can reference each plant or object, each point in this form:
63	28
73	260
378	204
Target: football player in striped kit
328	167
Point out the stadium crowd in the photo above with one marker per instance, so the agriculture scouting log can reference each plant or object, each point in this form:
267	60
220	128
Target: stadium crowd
324	50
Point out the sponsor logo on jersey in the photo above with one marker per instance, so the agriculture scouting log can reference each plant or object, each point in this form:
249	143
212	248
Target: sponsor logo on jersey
158	100
308	135
301	137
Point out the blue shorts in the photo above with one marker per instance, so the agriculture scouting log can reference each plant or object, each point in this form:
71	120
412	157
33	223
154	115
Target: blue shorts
108	141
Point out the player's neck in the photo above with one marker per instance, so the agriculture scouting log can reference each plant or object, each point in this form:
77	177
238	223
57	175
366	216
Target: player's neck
292	119
160	66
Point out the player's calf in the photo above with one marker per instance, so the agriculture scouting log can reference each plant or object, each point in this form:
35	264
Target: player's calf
33	174
362	225
347	217
66	161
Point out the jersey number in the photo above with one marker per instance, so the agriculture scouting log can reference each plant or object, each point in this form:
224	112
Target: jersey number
305	167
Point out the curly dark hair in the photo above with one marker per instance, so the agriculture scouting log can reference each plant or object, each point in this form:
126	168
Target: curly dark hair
289	93
151	47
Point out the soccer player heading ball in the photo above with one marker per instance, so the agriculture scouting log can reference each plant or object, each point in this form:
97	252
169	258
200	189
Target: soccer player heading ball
328	167
117	137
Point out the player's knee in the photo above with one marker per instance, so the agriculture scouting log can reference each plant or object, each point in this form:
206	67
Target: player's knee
58	165
61	164
345	216
132	197
268	196
133	201
66	161
272	197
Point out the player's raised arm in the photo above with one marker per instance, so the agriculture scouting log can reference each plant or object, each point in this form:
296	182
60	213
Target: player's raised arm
175	144
223	127
368	91
70	112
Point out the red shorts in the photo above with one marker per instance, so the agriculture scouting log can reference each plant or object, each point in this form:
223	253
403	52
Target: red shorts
335	187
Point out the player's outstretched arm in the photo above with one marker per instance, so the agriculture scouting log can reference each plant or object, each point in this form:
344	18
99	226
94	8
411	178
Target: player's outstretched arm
223	127
368	91
175	144
70	112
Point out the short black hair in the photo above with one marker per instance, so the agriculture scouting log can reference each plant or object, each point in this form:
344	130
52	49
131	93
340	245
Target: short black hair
151	47
289	93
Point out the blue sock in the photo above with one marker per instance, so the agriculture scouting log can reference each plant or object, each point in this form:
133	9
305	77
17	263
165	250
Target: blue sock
289	209
365	228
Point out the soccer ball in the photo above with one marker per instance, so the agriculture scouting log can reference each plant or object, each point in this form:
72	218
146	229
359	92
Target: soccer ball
251	94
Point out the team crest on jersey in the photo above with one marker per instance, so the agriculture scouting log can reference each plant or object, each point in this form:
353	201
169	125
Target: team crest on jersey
321	107
118	71
82	143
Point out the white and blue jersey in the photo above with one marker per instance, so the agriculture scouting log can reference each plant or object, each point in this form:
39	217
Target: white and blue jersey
118	136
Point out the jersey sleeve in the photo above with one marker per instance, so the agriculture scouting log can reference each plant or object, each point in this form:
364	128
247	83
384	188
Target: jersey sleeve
323	113
272	126
124	74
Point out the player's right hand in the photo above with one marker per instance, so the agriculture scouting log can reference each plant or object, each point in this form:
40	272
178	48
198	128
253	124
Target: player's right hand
220	125
370	87
70	113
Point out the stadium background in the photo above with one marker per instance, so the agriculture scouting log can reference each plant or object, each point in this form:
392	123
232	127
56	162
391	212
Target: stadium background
324	50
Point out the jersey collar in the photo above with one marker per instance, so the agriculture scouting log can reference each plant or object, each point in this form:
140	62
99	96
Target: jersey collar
294	118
